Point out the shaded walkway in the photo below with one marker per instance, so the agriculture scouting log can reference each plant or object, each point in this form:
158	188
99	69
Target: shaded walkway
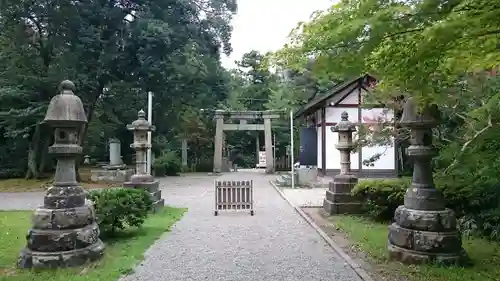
275	244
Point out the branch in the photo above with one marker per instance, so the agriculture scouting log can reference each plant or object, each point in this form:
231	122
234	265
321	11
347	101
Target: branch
467	143
40	32
388	36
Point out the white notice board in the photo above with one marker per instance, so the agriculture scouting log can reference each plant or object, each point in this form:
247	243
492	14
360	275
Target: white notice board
262	159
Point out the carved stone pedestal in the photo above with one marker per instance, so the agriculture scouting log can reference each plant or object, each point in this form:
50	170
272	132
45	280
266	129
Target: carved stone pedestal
64	232
338	196
425	236
153	188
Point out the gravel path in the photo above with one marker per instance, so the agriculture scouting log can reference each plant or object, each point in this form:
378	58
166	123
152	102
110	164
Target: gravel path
21	200
276	244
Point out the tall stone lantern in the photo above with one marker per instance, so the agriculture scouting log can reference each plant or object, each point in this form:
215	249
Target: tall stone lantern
64	232
141	178
423	229
338	196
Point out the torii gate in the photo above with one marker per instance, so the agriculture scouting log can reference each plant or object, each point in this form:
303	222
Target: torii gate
243	117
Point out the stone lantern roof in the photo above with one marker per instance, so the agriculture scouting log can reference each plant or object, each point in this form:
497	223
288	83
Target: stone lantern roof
65	109
344	125
413	117
141	124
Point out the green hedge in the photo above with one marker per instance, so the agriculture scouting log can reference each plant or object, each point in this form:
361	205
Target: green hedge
477	206
382	197
476	201
167	164
118	208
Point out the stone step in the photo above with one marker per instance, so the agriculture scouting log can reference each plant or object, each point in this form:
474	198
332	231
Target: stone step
285	180
281	181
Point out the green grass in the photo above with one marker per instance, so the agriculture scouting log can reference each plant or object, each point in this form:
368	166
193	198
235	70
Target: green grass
121	255
371	238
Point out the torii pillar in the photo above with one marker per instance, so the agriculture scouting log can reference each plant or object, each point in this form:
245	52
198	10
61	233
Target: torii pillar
243	116
219	138
268	142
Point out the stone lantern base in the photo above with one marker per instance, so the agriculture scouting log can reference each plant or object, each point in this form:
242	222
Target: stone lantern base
418	237
43	260
152	187
339	199
64	237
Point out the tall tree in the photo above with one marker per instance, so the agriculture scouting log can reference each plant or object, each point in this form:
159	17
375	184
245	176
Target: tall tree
115	51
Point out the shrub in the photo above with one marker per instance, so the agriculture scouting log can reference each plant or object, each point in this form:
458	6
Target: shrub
469	181
382	196
204	166
118	208
476	202
483	224
167	164
159	169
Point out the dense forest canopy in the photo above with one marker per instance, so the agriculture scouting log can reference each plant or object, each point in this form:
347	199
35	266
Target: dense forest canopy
115	52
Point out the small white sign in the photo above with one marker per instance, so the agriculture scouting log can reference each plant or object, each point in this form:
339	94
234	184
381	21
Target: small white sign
262	159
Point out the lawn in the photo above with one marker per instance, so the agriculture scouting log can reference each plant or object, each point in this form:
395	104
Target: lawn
371	238
22	185
121	255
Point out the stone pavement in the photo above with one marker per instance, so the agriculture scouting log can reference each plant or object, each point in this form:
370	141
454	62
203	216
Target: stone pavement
309	197
304	197
275	244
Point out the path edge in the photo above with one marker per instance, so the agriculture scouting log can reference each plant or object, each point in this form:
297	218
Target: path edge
354	265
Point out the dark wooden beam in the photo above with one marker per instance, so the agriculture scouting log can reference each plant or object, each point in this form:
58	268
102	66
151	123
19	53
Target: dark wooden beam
360	121
323	141
350	105
327	124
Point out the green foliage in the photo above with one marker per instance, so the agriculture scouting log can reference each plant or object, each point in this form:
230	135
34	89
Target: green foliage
371	238
204	166
413	47
382	197
159	169
115	54
168	163
438	52
118	208
475	201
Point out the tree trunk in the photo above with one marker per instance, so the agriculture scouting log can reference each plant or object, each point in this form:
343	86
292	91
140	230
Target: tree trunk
42	167
84	128
33	153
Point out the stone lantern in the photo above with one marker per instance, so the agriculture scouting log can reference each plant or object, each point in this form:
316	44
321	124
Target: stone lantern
423	229
338	196
141	178
64	232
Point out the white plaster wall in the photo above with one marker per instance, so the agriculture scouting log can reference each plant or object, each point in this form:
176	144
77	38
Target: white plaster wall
332	154
344	92
387	160
320	162
332	114
352	98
